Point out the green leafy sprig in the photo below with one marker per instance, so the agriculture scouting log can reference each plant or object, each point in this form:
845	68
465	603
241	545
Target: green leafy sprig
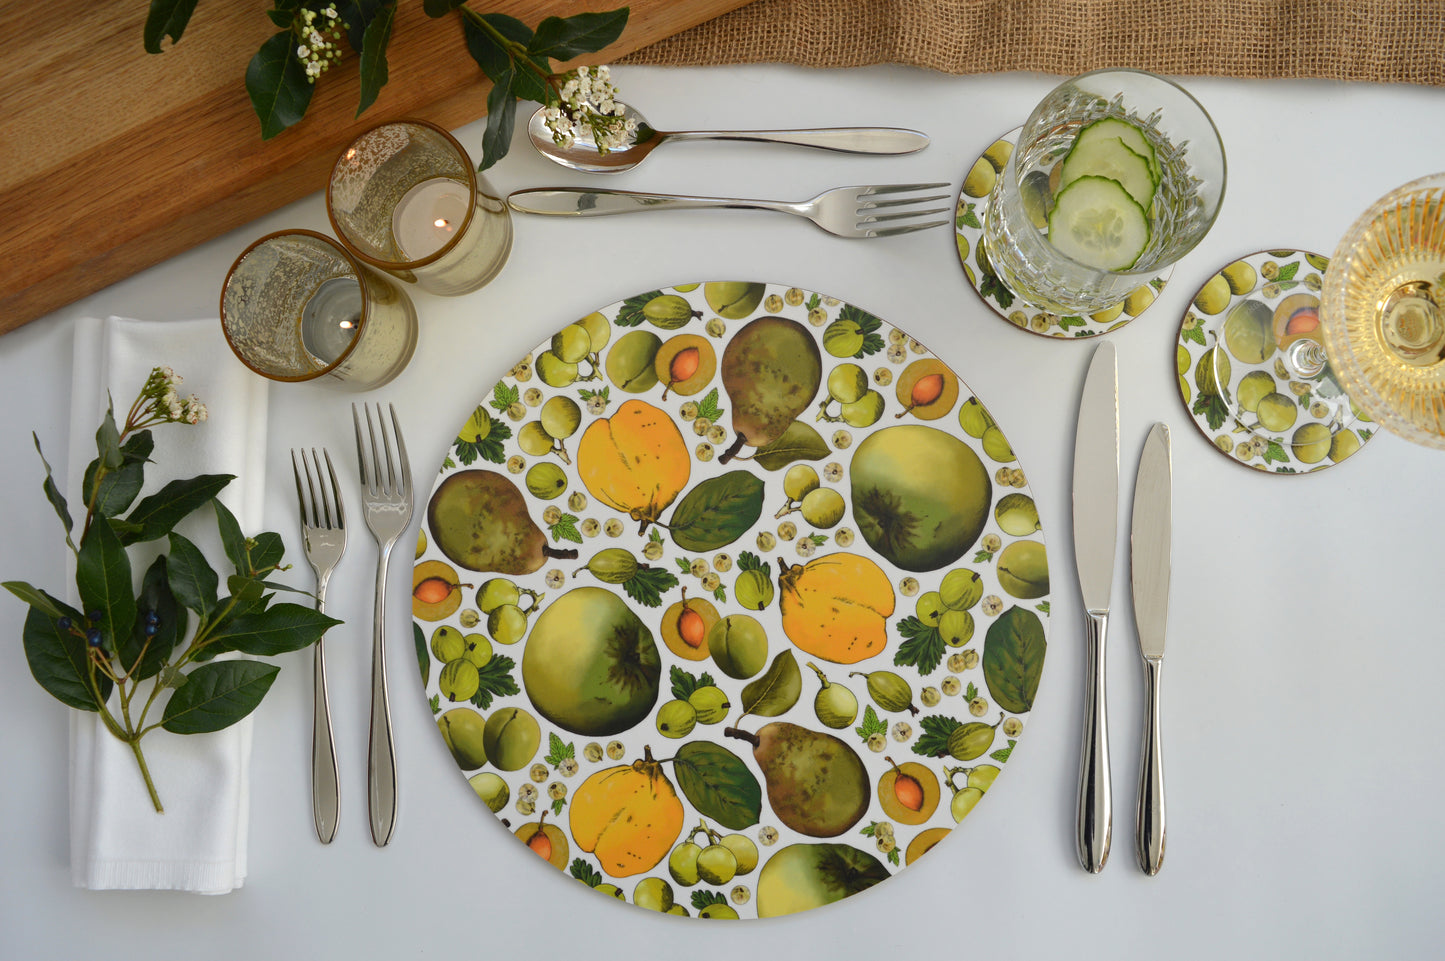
119	638
281	77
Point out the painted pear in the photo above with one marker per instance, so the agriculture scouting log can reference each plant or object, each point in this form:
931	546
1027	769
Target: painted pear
479	520
771	370
817	784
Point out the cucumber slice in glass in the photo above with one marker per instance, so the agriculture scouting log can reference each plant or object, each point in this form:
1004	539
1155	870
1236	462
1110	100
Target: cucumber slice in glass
1132	136
1110	158
1096	222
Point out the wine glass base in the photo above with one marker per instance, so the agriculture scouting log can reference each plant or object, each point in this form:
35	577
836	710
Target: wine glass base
968	231
1252	368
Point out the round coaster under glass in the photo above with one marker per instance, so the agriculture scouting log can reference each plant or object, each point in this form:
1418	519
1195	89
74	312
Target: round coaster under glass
968	233
1253	372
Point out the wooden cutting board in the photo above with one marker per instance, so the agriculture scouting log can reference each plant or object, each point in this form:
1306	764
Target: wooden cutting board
112	159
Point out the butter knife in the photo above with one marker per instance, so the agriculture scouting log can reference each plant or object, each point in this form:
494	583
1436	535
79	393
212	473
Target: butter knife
1096	519
1149	542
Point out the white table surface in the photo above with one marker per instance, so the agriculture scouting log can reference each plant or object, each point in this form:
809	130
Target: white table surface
1302	719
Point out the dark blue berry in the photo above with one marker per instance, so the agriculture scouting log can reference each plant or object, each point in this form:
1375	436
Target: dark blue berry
92	637
151	630
152	617
93	616
63	623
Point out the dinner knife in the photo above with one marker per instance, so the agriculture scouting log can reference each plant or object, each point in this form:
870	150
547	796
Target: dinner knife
1096	520
1149	542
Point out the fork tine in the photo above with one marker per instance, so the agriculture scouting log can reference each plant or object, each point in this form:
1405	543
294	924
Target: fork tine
300	495
903	215
898	188
891	231
360	448
315	520
335	489
870	204
401	451
390	485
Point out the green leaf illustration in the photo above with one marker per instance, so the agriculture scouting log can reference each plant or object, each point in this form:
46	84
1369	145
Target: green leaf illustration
718	784
496	680
558	750
566	529
933	741
585	873
217	695
1212	408
717	511
683	683
922	647
1195	334
777	690
423	656
648	584
1287	272
503	396
1002	754
702	898
872	724
799	442
1013	659
707	407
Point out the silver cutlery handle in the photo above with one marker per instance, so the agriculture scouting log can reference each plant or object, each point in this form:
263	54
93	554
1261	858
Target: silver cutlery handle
1095	824
325	777
1149	830
869	140
381	749
595	202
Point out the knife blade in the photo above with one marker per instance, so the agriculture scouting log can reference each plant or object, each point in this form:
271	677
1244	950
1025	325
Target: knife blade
1096	521
1150	540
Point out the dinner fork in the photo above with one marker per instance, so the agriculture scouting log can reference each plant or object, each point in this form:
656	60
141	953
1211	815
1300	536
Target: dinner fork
386	499
323	538
864	211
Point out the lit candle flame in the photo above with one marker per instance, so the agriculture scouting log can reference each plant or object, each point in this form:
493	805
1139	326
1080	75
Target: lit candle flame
443	224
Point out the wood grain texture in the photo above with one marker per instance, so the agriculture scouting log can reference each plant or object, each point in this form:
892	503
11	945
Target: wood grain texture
112	159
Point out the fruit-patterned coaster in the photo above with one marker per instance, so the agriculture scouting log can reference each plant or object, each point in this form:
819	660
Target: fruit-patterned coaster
731	600
1253	372
968	234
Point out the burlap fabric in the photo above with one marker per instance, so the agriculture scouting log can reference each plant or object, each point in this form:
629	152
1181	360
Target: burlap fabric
1387	41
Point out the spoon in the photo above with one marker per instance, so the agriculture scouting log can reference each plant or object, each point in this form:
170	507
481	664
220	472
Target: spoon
583	155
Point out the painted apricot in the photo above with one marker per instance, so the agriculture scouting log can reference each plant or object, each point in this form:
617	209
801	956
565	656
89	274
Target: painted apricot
545	840
836	607
627	816
685	364
634	461
435	593
924	843
927	389
908	792
685	625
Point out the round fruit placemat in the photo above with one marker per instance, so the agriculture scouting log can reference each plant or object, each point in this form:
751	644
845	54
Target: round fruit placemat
968	234
731	600
1252	367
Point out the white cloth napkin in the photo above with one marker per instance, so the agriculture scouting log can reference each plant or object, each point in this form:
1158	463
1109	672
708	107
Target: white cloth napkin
118	841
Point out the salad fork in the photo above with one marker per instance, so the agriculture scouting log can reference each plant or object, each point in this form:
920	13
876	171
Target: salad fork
323	537
386	499
865	211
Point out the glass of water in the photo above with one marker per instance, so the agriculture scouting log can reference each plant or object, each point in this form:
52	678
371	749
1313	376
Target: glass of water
296	306
1116	175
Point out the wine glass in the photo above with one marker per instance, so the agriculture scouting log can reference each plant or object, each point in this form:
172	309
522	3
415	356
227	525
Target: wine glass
1383	312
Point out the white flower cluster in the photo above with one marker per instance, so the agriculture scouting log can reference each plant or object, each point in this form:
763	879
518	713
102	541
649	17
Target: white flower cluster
166	405
320	45
589	101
